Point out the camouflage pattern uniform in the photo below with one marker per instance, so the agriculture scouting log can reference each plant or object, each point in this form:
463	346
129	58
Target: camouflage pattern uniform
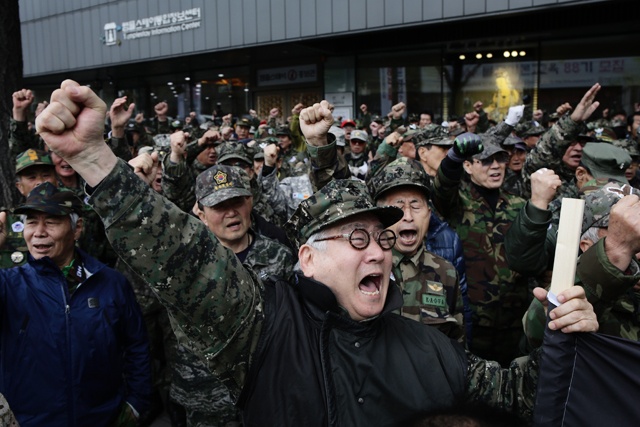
285	194
611	292
206	400
429	283
548	153
498	296
7	419
21	139
220	305
14	251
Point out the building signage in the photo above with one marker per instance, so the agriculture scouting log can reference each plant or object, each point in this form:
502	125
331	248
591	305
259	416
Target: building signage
165	23
287	75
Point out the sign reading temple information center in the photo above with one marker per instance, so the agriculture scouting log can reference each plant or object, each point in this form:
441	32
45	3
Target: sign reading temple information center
166	23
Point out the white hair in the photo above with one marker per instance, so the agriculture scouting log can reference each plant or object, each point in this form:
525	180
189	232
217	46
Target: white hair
591	234
72	216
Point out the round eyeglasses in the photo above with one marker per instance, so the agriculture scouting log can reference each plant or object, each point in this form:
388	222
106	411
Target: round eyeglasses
360	238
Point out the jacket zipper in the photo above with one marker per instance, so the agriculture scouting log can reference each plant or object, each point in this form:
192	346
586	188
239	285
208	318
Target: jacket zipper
70	382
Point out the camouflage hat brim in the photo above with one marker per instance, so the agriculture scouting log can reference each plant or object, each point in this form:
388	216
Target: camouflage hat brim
489	150
388	215
337	201
223	195
49	199
232	156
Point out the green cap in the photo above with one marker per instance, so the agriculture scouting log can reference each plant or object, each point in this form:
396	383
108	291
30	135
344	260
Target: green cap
598	204
220	183
32	157
399	173
606	161
49	199
339	199
233	150
283	130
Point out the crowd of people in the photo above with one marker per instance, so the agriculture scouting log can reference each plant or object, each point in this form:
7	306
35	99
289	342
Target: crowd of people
308	270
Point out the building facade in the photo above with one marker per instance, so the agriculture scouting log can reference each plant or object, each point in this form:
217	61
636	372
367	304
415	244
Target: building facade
439	56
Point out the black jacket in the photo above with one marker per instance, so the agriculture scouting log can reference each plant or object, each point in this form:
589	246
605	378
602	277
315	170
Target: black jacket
351	377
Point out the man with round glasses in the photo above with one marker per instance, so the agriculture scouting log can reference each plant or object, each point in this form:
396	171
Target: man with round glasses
320	350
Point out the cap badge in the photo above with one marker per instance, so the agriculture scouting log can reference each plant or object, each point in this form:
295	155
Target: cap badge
220	177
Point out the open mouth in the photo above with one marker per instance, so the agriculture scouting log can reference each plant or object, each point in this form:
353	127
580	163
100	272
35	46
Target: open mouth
495	176
370	285
407	237
234	225
42	247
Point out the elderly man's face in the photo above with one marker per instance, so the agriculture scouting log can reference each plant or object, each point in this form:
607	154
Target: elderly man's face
52	236
488	173
31	177
358	278
413	226
516	162
573	155
229	220
62	167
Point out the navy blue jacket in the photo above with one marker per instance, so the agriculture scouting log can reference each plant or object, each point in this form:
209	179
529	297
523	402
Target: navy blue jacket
71	360
444	241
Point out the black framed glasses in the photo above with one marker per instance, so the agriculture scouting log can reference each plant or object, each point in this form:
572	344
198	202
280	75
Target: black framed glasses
499	157
359	238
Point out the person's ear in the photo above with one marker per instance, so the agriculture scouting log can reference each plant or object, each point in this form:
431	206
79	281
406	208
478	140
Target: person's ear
202	217
78	231
306	257
422	153
585	244
582	176
467	166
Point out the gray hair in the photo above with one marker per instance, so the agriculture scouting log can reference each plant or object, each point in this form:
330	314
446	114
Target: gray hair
313	242
591	234
72	216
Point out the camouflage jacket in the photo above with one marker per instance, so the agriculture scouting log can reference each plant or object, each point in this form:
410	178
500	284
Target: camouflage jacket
513	183
179	183
14	251
326	164
285	194
430	291
609	290
193	386
498	296
220	306
21	139
548	153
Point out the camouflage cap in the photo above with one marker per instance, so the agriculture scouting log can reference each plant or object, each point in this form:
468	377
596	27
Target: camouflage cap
530	128
442	141
360	135
32	157
630	145
230	151
606	161
338	200
47	198
220	183
489	150
598	204
512	140
399	173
